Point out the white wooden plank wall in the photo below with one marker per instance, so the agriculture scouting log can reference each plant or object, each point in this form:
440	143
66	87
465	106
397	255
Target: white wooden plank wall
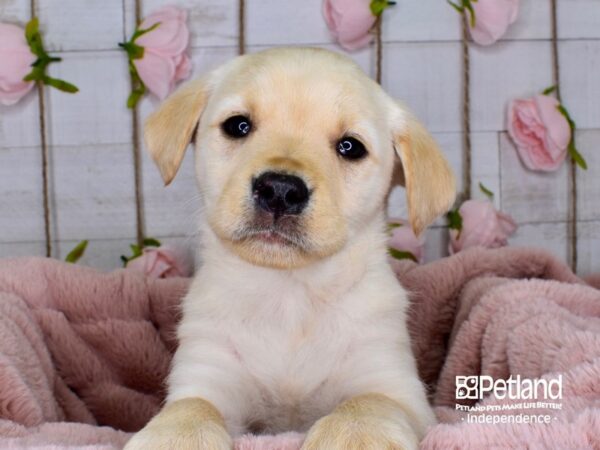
90	134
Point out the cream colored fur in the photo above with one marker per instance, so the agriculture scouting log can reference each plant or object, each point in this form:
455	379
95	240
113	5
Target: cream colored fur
309	336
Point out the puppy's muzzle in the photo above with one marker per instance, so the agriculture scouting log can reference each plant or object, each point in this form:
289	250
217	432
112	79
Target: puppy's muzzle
280	194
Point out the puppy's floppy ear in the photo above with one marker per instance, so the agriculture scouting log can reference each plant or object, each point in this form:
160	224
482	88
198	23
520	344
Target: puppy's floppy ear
429	181
169	129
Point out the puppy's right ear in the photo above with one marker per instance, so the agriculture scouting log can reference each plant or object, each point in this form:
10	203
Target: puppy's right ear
169	129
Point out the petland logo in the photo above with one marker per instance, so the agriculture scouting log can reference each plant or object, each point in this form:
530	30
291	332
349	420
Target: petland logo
515	388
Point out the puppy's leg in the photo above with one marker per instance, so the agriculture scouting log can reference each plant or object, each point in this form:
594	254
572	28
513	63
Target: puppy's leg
365	422
187	424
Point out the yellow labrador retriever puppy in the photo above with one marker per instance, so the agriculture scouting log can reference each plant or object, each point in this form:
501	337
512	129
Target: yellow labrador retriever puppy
295	320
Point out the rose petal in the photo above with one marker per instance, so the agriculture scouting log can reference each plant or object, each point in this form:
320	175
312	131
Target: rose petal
535	125
483	226
156	72
171	37
492	18
349	21
12	37
403	238
163	262
557	125
183	69
15	63
12	96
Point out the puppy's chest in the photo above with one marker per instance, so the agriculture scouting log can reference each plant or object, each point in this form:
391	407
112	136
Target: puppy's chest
293	367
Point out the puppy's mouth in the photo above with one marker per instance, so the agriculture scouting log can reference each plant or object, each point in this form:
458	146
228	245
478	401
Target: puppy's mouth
274	234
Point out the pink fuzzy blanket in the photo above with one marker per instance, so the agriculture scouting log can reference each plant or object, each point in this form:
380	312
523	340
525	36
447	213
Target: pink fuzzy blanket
83	354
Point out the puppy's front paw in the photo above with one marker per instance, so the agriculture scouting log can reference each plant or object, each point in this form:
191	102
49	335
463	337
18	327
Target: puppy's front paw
370	422
205	436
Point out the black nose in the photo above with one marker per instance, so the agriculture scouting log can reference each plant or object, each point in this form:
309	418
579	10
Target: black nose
280	194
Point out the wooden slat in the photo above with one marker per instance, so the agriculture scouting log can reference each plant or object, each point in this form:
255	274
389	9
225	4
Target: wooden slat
18	249
21	217
531	196
97	114
427	78
580	78
93	192
578	19
211	22
436	243
19	123
81	25
486	166
305	25
174	209
421	21
588	181
503	72
15	11
588	260
548	236
533	21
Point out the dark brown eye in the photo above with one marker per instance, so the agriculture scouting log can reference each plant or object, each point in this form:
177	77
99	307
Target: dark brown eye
351	148
237	127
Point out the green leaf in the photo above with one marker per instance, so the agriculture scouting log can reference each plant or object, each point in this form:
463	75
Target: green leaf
549	90
458	8
134	51
565	113
34	38
38	73
401	254
136	250
134	98
486	191
463	7
469	7
76	254
378	6
455	221
577	157
61	85
391	226
151	242
32	28
139	32
35	75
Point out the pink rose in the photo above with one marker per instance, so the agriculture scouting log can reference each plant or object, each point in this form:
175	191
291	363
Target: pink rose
165	60
350	22
492	18
540	132
162	262
482	226
15	63
404	239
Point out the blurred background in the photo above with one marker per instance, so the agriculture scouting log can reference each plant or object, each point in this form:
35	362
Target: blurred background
90	134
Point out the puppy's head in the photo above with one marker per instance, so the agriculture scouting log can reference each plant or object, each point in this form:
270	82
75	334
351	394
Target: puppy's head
295	150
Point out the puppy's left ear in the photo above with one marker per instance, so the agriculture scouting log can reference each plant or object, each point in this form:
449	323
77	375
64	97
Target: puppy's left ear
169	129
429	181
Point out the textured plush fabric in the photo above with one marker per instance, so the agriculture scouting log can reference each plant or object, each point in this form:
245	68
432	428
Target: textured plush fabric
83	355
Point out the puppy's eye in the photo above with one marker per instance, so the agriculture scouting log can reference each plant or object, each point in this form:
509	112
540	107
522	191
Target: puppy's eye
237	127
351	148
